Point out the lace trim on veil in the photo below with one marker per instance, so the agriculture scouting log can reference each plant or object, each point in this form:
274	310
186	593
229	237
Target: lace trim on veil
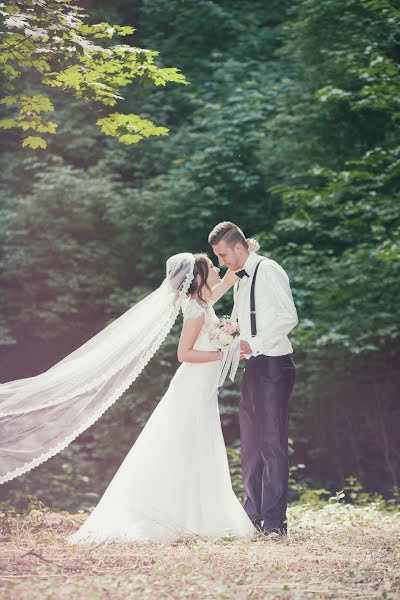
107	374
114	396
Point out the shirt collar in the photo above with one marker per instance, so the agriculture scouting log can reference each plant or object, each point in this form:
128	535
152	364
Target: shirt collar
250	263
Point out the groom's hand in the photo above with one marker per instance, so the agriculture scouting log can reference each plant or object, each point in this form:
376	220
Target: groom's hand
245	349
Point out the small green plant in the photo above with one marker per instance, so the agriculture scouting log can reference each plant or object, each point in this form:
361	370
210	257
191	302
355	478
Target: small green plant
235	470
354	493
36	507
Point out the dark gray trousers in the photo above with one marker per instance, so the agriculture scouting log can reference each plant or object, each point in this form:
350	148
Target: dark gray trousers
263	413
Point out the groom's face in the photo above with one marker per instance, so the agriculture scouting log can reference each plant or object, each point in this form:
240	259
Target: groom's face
229	256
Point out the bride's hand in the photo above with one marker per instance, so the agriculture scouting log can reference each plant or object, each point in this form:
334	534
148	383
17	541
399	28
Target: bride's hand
253	245
230	278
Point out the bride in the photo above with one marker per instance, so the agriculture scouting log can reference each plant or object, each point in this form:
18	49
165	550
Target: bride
175	482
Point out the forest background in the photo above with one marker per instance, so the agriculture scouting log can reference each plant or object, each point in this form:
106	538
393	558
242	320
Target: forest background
290	128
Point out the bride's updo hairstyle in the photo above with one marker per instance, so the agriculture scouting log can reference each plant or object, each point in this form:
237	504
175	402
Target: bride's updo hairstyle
200	272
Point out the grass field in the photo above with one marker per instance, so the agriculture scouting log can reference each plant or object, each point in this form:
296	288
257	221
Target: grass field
337	551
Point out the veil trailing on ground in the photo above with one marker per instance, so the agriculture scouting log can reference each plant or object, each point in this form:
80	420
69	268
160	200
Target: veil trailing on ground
41	415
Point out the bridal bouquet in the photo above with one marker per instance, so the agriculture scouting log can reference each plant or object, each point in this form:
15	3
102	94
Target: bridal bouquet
223	332
224	335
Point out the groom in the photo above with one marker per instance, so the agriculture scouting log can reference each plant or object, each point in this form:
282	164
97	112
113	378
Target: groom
265	311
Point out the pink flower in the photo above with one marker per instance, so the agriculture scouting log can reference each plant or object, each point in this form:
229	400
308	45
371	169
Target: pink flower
229	328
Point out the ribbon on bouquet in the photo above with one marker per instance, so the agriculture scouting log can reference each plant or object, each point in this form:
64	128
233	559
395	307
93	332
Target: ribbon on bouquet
229	362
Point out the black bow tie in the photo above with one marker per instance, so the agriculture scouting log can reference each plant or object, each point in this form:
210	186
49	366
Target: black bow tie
241	273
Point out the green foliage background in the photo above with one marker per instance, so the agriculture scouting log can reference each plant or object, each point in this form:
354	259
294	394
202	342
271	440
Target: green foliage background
289	127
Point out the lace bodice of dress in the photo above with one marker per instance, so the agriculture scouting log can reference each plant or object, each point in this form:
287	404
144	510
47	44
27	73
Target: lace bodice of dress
191	309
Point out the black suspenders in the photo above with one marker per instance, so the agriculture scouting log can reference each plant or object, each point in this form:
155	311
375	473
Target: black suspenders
253	303
253	323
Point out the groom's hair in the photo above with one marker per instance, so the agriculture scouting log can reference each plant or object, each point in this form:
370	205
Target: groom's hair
229	232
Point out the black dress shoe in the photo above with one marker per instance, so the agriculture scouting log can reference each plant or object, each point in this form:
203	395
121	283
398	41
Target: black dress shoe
269	530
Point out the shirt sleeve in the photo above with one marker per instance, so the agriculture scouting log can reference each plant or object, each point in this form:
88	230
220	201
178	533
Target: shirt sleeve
277	306
234	317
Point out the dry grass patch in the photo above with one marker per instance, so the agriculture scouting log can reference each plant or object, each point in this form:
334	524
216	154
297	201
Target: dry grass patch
338	551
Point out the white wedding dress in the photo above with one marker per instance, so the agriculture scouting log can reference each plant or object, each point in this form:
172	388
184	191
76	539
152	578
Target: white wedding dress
175	482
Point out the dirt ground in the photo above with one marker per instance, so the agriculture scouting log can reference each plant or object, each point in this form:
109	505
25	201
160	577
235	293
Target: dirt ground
338	551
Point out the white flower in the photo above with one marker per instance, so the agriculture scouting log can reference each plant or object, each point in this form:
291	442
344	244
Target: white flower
225	338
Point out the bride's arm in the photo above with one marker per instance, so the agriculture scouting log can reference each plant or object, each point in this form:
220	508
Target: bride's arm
230	278
223	286
190	330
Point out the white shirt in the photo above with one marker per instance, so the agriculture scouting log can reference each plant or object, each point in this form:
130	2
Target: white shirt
276	313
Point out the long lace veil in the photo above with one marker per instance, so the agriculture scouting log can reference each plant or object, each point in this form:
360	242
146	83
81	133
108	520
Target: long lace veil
41	415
